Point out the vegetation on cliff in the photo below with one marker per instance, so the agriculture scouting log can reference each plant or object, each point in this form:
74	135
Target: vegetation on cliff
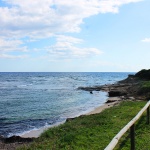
143	74
144	88
139	85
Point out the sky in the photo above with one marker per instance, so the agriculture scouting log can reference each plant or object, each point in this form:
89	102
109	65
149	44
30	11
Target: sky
74	35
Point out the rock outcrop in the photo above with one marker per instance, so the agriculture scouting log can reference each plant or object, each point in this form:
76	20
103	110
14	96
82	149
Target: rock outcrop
130	88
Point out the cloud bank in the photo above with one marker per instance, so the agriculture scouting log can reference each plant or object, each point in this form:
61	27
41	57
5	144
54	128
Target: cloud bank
47	17
65	47
50	18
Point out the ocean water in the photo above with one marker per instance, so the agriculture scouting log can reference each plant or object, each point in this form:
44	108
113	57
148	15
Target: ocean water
30	101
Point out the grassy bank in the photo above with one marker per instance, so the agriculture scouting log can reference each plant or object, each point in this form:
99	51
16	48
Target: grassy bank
94	132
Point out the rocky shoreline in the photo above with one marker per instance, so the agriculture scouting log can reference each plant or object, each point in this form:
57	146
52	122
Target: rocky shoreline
128	89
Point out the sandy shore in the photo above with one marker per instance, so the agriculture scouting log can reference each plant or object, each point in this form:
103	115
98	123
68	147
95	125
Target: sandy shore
103	107
34	133
38	132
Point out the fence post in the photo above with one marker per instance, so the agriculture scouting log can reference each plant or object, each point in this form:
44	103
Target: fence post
132	136
148	115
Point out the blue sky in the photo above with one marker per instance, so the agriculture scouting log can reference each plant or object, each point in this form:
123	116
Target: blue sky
74	35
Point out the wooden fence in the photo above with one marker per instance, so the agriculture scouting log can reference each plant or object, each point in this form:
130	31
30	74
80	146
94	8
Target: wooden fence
130	126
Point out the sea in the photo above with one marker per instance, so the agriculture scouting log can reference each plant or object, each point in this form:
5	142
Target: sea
31	100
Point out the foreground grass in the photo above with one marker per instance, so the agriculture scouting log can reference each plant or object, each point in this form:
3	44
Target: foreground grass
94	132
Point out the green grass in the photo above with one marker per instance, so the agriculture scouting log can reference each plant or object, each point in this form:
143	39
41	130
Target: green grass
94	132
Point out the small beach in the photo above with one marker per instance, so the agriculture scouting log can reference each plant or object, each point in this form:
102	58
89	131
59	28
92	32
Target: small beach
37	133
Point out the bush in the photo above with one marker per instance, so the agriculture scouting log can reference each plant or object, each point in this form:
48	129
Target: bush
143	74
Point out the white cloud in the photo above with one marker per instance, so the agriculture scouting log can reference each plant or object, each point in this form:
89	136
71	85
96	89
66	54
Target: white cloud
36	19
66	47
47	17
63	38
146	40
6	56
11	45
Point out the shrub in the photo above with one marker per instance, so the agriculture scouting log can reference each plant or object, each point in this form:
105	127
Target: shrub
143	74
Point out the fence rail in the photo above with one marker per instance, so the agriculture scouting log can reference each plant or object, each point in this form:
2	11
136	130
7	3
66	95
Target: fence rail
130	126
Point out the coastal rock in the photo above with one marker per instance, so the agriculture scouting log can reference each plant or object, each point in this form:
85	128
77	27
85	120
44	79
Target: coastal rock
69	119
113	99
17	139
116	93
95	88
1	138
131	98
